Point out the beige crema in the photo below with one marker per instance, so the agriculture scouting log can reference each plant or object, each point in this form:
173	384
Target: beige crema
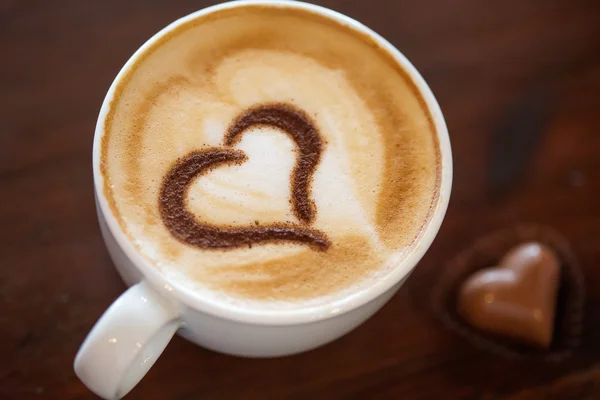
374	189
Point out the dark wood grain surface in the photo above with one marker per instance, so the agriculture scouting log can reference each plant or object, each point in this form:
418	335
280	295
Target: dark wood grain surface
495	66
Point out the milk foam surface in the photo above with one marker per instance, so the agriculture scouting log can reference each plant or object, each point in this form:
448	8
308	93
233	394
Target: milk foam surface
374	187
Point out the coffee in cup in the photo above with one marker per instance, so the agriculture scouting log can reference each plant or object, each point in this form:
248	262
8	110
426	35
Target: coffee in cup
270	157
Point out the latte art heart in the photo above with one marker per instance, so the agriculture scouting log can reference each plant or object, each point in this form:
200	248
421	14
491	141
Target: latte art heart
184	226
270	158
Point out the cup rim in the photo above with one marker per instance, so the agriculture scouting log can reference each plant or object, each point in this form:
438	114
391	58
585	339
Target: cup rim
308	314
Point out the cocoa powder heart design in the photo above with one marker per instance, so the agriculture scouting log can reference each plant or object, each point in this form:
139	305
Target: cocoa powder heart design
185	227
516	299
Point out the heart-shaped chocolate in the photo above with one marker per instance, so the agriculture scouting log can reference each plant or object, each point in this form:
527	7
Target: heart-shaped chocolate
185	227
516	299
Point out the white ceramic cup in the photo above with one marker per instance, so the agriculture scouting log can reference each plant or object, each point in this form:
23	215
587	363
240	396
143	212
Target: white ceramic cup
133	332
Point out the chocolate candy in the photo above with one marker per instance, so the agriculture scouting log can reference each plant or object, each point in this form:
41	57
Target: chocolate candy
516	299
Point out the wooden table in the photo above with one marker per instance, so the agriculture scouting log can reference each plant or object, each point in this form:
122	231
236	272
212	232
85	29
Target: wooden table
492	64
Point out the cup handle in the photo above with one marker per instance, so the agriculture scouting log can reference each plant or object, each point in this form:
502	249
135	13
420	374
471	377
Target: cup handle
126	341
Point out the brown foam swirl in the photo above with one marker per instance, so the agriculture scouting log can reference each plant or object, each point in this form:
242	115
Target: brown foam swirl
184	226
301	130
375	188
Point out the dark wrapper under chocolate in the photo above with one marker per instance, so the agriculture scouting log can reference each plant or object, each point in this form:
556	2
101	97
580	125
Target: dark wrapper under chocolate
487	252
